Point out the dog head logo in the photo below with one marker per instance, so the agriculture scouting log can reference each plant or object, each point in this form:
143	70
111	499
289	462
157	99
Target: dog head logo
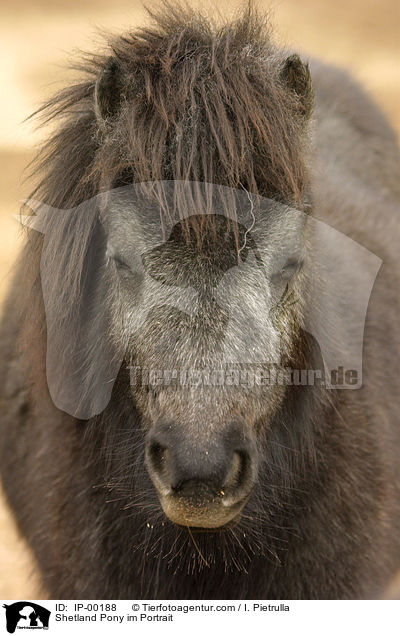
26	615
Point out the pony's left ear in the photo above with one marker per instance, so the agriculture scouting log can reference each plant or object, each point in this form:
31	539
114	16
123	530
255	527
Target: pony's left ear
296	76
108	91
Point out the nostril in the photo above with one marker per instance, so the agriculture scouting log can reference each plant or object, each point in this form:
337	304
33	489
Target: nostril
157	466
238	480
238	469
244	467
235	469
156	455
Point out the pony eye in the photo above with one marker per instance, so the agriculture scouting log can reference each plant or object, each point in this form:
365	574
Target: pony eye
120	264
290	268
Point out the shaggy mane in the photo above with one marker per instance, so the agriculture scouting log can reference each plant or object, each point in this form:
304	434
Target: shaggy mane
200	101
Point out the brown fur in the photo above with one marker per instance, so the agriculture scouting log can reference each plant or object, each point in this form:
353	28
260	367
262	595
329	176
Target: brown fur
221	104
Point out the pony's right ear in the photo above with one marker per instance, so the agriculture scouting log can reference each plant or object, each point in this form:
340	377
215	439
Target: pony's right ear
108	89
295	74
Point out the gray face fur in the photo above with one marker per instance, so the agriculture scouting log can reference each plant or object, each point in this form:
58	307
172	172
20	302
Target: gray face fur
197	289
180	309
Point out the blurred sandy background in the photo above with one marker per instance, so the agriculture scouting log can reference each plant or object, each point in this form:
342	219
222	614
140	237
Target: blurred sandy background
37	38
